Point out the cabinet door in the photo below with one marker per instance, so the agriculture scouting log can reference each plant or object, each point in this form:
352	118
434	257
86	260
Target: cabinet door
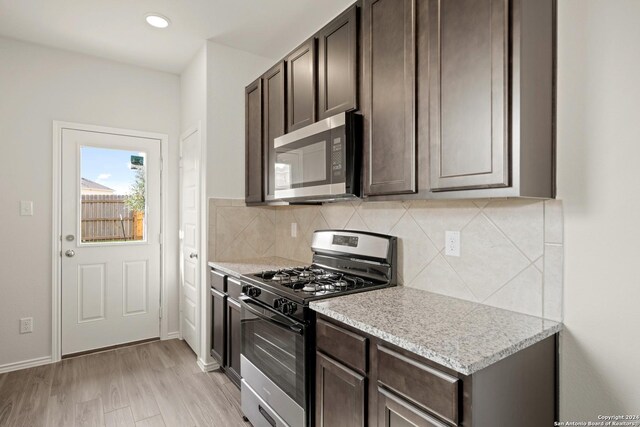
273	108
469	144
253	143
337	65
234	313
394	411
301	86
340	394
389	43
219	326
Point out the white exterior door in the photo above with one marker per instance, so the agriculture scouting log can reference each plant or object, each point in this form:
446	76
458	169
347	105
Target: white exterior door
110	239
190	232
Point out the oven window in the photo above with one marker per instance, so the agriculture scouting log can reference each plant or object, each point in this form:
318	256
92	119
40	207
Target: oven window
277	352
298	167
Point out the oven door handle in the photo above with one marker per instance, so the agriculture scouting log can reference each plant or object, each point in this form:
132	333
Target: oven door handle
246	303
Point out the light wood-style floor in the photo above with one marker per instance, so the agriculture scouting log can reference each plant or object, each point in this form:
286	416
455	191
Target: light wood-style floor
152	384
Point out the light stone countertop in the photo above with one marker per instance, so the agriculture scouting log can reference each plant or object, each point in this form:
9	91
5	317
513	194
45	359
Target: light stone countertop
461	335
249	266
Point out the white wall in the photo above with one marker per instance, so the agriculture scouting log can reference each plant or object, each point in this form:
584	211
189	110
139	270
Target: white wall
39	85
193	92
228	72
599	182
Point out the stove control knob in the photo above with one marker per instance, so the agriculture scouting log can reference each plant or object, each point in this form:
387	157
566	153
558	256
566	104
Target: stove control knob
289	308
253	292
278	303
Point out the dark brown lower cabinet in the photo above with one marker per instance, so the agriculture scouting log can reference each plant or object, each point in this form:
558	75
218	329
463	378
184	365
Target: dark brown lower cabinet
219	326
340	393
234	314
398	388
394	411
225	323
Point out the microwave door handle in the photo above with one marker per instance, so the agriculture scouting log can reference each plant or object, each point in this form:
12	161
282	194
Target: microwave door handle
291	326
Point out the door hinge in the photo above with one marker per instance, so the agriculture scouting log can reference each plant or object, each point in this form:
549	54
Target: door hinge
180	234
160	312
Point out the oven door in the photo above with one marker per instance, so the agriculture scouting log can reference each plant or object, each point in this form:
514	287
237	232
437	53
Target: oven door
275	345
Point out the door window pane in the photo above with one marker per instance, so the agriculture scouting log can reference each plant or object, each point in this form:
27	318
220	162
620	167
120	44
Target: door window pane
113	195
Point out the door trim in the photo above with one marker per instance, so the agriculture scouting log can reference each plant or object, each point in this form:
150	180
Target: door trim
56	235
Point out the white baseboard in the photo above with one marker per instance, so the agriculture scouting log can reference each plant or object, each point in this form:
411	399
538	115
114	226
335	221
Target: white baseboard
172	335
207	367
24	364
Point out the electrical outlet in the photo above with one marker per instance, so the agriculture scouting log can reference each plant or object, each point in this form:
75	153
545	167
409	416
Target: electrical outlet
452	243
26	325
26	208
294	229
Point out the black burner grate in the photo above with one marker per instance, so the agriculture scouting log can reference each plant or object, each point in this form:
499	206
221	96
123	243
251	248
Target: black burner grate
313	280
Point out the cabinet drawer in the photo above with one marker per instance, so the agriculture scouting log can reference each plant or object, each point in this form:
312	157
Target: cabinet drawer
234	288
218	281
423	385
345	346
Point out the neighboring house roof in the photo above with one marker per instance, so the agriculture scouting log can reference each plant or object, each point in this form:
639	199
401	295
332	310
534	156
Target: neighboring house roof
94	186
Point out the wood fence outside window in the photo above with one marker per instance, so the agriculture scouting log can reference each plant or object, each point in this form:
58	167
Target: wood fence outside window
106	218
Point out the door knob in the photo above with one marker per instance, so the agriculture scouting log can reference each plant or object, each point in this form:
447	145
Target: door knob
70	254
193	255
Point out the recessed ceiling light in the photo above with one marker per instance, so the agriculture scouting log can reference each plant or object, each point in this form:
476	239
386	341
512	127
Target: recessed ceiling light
156	20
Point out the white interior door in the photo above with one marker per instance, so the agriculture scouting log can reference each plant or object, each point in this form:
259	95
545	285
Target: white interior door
110	239
190	232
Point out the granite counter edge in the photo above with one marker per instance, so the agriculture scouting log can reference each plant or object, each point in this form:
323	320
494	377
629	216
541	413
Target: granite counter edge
449	362
224	269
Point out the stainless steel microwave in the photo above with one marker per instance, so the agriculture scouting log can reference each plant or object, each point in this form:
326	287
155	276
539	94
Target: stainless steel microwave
320	162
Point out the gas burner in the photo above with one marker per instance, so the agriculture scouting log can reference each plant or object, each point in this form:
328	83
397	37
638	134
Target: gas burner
280	276
311	272
310	287
340	284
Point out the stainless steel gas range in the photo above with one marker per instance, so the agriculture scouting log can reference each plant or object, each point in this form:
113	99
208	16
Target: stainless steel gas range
278	356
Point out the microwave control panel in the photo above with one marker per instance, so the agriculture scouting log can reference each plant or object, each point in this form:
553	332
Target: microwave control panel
337	156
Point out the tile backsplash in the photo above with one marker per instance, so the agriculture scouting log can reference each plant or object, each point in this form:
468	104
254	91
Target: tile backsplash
511	249
240	232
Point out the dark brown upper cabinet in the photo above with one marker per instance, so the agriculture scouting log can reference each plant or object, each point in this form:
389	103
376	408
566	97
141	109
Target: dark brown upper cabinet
492	97
481	93
338	65
301	86
253	143
469	57
389	44
274	122
289	97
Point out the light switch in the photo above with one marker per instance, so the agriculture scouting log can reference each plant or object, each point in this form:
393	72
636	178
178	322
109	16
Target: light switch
26	208
294	230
